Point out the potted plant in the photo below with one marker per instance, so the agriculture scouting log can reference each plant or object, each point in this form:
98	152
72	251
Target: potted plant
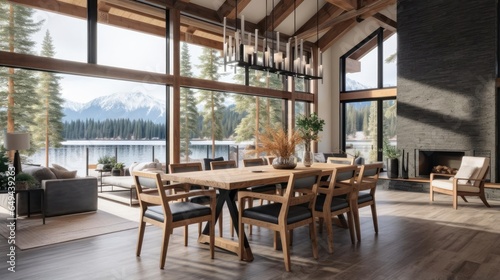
277	142
309	127
106	163
118	169
25	181
358	159
392	154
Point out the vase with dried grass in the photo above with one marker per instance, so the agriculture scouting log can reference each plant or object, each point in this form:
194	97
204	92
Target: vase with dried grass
278	142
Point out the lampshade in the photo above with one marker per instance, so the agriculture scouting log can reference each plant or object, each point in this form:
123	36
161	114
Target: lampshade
17	141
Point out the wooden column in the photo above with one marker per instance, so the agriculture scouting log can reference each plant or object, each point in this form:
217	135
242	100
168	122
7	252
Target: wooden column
175	91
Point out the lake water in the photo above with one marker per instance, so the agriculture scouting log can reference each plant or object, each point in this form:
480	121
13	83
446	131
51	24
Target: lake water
75	155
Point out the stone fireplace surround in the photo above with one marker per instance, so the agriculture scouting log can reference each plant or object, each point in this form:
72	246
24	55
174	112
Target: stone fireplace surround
447	94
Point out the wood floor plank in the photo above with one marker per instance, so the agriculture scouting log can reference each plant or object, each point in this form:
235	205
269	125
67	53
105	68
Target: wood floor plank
417	239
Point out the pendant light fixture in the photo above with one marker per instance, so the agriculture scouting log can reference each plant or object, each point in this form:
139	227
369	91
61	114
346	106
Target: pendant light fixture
242	50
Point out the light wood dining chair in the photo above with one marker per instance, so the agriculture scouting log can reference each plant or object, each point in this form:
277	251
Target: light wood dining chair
285	213
340	160
271	189
223	164
269	159
170	211
365	188
205	200
335	199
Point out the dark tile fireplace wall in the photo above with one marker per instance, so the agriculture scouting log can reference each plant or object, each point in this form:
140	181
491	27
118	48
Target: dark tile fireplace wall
446	78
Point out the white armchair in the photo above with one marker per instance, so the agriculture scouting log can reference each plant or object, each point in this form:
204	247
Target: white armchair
469	180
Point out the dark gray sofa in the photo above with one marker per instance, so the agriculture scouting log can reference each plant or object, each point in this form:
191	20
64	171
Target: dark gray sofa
62	196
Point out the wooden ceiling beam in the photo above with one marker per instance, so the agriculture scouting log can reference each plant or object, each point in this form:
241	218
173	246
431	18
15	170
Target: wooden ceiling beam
228	9
309	29
136	8
386	22
282	10
330	37
373	7
55	6
346	5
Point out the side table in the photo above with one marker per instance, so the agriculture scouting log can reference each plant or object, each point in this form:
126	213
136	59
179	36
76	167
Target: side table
30	191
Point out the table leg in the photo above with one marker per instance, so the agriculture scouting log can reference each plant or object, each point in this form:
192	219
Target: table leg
227	197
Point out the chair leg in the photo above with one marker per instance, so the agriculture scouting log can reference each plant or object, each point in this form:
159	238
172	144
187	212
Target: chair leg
241	239
186	234
463	197
212	236
355	215
329	231
431	193
350	225
455	202
142	226
483	199
314	238
374	217
250	205
284	246
164	246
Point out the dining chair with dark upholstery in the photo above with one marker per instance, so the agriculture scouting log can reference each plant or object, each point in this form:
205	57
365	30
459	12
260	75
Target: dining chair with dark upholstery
271	189
335	199
285	213
170	211
193	167
364	196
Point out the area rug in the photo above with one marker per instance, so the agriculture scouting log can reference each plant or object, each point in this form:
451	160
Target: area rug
31	233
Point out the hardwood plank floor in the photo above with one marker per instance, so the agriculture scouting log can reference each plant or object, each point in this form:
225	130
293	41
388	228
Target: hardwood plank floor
417	240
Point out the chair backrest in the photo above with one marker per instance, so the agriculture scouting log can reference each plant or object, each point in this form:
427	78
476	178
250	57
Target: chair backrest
369	176
340	160
306	183
342	182
225	164
248	162
207	161
185	167
269	159
148	181
481	165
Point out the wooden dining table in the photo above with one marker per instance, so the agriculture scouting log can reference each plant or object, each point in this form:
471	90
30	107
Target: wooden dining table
229	181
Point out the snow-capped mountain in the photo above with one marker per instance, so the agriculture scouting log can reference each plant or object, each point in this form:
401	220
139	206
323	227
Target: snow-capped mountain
130	105
351	84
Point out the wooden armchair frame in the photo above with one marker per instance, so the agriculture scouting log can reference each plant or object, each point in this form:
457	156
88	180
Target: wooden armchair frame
170	211
474	187
335	199
277	213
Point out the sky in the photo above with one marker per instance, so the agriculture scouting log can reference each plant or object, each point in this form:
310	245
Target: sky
115	46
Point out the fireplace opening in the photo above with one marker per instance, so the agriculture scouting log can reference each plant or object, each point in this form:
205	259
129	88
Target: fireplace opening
427	160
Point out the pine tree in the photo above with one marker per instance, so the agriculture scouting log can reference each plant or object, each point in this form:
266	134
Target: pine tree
213	101
189	112
17	86
269	109
48	127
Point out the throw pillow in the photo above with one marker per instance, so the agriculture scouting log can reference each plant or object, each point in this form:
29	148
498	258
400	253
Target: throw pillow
58	167
60	174
207	161
40	173
465	172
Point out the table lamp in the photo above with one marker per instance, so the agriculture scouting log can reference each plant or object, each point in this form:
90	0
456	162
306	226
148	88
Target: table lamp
17	141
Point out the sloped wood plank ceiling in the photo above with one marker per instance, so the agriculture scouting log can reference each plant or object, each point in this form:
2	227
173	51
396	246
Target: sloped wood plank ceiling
329	21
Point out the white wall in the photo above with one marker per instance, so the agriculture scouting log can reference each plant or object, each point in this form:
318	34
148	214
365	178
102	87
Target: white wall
328	97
